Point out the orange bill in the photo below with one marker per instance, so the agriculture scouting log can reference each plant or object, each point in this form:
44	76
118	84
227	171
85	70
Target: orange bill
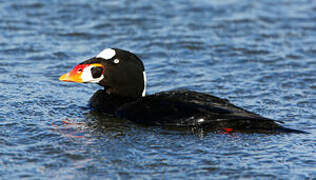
75	74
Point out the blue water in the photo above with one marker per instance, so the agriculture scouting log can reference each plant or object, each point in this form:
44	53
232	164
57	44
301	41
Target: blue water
261	55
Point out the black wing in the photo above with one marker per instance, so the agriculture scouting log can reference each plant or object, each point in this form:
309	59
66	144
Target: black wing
188	108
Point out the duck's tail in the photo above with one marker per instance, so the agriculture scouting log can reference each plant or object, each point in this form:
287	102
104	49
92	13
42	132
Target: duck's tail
289	130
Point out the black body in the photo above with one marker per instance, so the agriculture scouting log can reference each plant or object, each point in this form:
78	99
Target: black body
185	109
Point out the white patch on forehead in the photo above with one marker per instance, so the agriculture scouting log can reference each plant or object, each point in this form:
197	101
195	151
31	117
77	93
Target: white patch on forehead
107	53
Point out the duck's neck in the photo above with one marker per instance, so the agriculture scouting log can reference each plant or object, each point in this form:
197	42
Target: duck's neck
104	102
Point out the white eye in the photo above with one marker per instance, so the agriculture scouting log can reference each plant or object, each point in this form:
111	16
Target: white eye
116	61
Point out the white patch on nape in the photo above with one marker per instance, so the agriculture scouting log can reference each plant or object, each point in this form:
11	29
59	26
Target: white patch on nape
145	83
200	120
86	76
107	53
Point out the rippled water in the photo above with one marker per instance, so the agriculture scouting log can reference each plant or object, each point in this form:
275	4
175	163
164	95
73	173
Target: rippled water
259	55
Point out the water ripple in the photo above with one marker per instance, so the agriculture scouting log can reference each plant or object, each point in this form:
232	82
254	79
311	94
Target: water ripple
259	55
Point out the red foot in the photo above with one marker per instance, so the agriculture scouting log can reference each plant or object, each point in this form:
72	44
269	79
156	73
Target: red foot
228	130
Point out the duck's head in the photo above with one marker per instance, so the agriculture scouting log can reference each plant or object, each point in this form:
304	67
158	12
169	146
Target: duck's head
120	72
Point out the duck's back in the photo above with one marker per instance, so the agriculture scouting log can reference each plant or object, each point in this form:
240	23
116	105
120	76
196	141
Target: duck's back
189	108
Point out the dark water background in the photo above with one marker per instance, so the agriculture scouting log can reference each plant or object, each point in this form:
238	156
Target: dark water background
261	55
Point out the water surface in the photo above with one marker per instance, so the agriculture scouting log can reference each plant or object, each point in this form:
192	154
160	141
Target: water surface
259	55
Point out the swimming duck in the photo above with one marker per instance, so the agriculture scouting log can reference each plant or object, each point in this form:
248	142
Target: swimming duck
123	76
